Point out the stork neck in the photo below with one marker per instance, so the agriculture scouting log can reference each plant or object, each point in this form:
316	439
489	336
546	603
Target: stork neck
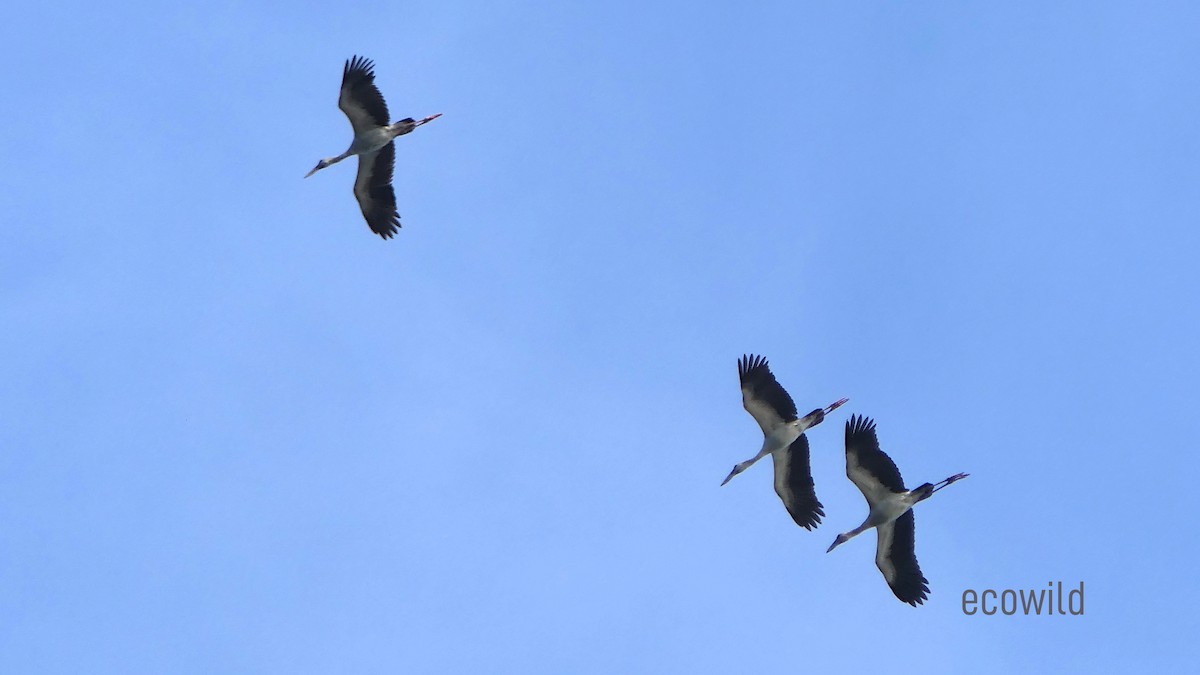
866	525
847	536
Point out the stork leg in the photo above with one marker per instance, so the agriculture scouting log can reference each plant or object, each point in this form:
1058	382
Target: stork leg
949	481
817	416
835	405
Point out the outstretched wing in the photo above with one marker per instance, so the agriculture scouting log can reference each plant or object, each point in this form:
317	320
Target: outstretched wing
794	484
896	557
867	466
360	98
373	190
762	395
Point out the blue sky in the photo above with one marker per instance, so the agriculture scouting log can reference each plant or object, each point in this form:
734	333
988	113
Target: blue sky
240	433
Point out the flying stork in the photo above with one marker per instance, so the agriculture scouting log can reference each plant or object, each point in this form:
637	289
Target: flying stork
783	439
373	134
877	477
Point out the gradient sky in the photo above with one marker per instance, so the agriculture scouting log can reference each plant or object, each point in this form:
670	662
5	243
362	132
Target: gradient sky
240	433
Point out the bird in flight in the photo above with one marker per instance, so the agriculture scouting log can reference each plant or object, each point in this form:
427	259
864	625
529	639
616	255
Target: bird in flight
783	439
891	515
373	135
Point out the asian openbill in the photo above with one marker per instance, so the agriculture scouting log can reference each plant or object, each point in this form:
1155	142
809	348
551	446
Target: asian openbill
877	477
373	134
783	439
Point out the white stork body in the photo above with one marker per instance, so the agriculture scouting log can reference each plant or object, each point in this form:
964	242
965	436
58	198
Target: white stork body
373	135
879	480
783	438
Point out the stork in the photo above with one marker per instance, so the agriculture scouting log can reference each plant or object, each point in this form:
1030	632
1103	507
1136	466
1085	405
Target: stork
877	477
783	439
373	134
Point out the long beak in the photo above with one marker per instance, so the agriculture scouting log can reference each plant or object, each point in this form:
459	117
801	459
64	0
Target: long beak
428	119
730	476
312	172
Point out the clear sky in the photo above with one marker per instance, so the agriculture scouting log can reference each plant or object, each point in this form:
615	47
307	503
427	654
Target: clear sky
240	433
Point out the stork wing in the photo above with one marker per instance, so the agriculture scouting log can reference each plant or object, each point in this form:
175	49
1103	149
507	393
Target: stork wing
373	190
762	396
896	557
794	484
360	98
867	466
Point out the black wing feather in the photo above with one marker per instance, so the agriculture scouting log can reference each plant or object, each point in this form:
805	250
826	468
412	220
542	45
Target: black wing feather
795	485
910	585
380	211
756	375
358	80
862	442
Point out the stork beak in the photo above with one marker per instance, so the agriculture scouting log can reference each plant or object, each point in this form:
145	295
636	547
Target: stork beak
736	470
317	168
428	119
840	540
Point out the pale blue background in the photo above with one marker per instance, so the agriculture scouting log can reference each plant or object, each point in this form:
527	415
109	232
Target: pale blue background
240	433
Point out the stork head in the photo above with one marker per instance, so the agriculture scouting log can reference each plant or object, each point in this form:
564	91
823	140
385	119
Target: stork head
320	165
737	468
841	539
